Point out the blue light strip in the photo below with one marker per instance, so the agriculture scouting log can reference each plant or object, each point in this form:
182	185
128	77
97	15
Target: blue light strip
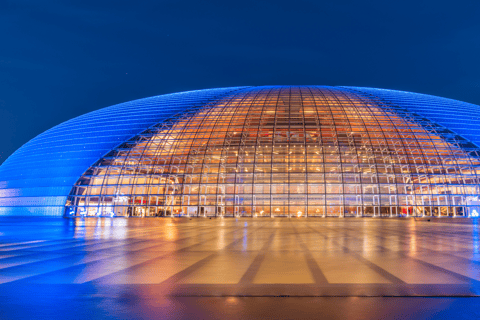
37	178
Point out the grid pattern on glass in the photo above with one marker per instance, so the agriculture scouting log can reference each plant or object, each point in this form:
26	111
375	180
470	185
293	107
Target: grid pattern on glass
284	151
461	117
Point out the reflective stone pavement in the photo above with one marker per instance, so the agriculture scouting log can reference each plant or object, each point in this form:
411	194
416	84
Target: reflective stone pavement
238	268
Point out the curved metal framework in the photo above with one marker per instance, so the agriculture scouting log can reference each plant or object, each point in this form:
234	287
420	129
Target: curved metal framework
286	151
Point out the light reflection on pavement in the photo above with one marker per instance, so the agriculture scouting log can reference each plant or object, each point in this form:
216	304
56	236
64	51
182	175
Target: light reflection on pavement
235	267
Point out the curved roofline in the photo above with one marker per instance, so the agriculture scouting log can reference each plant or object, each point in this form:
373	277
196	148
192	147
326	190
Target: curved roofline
42	171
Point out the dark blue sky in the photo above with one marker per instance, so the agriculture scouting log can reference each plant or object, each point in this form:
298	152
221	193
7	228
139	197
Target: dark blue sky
60	59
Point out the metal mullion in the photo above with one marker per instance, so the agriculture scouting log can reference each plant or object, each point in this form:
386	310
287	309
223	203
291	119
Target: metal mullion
220	115
255	95
173	120
336	137
408	157
289	145
429	175
365	131
377	123
197	132
319	141
232	118
421	153
156	152
401	139
370	115
159	149
362	99
134	174
464	186
102	186
272	153
421	150
266	95
347	118
100	196
451	148
341	160
423	157
207	145
373	151
305	191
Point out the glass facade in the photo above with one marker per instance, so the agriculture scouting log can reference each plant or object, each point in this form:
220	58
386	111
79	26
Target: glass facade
308	151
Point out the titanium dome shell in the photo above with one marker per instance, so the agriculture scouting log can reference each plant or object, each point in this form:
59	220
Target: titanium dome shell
313	151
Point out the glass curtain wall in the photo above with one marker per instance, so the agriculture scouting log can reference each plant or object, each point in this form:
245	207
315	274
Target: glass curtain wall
283	151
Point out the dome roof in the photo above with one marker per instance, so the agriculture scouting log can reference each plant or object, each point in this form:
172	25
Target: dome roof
348	126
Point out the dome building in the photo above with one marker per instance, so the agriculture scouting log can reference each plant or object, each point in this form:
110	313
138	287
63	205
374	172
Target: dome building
268	151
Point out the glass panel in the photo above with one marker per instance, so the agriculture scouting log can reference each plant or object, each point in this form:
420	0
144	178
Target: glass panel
284	151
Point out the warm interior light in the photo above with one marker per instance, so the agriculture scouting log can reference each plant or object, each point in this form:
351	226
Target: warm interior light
205	146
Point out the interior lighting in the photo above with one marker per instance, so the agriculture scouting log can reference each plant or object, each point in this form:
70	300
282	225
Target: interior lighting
159	151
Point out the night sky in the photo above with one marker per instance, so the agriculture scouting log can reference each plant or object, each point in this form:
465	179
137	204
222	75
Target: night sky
60	59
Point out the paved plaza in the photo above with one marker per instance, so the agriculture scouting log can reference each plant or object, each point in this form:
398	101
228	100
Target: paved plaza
163	258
